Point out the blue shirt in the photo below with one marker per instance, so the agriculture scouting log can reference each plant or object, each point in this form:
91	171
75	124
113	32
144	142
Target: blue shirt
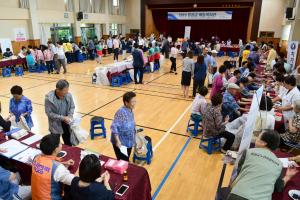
123	126
184	46
7	189
254	56
30	60
213	62
207	60
200	71
229	106
19	107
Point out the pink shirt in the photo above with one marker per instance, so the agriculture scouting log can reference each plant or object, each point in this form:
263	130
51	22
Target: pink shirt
217	85
232	80
48	55
39	55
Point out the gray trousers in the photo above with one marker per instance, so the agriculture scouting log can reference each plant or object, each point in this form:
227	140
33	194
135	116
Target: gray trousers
59	63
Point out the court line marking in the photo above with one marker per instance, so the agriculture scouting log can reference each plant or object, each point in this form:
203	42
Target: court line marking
158	189
172	127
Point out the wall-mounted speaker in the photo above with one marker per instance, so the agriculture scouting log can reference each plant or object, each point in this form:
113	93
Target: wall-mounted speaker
289	13
79	16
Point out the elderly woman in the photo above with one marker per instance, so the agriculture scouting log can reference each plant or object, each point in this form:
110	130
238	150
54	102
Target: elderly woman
188	67
213	123
123	127
20	106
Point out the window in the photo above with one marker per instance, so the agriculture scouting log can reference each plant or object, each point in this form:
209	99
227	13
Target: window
114	29
269	34
116	7
116	3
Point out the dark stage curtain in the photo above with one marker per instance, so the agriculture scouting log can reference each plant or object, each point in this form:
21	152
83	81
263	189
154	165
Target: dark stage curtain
224	29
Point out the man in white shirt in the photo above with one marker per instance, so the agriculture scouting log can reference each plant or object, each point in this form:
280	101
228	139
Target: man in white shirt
141	42
116	46
61	58
47	172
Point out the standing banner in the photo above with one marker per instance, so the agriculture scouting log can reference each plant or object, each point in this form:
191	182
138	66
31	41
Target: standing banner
20	34
187	32
292	53
200	15
251	119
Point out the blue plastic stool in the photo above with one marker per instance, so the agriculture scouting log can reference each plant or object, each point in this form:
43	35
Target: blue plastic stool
124	79
84	56
195	130
147	69
6	72
19	71
129	80
213	144
79	57
116	81
149	154
97	123
230	54
34	69
220	53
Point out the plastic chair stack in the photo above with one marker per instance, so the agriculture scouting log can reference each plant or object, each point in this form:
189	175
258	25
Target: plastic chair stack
212	144
230	54
129	80
6	72
19	71
156	66
124	79
116	81
149	154
97	123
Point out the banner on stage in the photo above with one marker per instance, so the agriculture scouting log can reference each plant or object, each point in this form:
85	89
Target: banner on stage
292	53
200	15
251	119
187	32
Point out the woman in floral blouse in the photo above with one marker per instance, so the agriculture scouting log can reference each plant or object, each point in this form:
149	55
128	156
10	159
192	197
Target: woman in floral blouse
213	122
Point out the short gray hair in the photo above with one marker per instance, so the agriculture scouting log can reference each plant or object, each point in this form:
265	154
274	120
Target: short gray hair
61	84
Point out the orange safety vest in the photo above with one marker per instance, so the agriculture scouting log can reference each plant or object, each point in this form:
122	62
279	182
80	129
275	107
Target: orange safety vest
43	185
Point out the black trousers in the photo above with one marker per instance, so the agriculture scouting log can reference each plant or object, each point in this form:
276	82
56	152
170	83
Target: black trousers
66	135
136	71
229	139
116	54
166	54
173	66
197	84
91	54
119	154
240	61
49	66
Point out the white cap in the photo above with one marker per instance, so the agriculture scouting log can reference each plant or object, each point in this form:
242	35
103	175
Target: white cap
233	86
214	51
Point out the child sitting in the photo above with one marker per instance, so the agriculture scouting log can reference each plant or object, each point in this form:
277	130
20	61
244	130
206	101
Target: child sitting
30	60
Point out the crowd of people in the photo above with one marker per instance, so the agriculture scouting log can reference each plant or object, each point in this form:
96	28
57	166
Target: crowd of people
222	115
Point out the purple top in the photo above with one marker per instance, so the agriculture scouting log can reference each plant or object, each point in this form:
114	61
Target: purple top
217	85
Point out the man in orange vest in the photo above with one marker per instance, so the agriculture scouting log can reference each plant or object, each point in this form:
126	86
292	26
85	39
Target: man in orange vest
47	172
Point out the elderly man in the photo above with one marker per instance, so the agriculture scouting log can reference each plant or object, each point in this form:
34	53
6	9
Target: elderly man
59	107
230	107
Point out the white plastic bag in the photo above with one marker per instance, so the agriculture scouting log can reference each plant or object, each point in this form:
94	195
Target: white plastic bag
78	135
22	124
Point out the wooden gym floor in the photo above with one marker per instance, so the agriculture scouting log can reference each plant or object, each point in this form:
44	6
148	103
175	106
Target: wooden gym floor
179	170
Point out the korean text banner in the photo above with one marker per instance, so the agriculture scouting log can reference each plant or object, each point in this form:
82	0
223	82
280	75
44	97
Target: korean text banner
201	15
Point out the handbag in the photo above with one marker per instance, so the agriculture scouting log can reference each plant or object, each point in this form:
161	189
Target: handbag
78	135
